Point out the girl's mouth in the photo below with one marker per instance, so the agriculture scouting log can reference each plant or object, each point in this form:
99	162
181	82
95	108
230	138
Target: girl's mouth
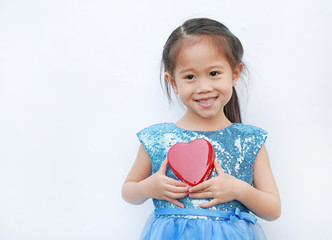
206	102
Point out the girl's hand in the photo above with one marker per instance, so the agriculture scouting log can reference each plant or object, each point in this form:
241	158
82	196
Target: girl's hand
222	188
160	186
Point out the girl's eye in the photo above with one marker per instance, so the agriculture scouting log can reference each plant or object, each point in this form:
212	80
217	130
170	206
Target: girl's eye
214	73
190	77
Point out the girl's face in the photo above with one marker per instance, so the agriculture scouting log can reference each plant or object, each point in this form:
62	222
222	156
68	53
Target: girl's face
203	78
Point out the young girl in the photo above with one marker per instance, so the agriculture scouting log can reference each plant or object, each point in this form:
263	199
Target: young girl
202	63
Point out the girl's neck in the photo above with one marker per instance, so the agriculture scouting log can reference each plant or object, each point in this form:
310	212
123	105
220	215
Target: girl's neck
192	122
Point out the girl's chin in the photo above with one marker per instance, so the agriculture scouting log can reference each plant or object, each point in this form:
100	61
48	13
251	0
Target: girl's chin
209	116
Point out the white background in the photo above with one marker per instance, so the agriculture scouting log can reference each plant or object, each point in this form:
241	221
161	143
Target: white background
78	79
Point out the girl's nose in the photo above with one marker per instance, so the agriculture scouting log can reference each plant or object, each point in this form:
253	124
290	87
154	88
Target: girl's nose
204	85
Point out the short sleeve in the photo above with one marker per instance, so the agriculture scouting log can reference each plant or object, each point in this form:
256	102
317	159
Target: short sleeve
145	136
260	136
153	140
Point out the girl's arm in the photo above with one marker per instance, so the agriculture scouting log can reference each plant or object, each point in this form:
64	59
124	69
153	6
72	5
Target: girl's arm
263	199
141	185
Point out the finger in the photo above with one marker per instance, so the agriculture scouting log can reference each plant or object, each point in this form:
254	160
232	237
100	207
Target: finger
200	187
163	166
175	189
209	204
175	195
201	195
175	202
176	182
217	166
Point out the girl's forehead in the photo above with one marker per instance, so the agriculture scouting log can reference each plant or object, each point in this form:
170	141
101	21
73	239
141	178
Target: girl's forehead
191	43
199	55
192	40
195	45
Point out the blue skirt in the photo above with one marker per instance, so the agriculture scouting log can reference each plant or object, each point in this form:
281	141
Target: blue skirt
167	224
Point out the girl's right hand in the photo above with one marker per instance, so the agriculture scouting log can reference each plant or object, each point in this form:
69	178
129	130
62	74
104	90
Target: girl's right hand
160	186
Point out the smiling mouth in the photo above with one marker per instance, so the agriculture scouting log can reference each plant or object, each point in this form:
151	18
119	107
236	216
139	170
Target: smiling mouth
206	100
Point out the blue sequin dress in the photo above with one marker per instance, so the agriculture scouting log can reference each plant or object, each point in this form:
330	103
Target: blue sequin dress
236	148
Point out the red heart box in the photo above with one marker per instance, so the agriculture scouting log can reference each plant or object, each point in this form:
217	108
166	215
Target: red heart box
192	162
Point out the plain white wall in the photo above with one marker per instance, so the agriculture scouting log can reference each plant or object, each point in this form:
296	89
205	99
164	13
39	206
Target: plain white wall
78	79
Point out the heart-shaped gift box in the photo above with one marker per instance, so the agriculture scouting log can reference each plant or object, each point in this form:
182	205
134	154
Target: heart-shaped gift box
192	162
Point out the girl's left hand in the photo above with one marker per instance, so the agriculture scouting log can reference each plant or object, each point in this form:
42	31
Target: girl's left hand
223	188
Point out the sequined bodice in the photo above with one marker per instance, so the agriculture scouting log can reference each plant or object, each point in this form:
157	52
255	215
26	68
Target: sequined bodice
236	149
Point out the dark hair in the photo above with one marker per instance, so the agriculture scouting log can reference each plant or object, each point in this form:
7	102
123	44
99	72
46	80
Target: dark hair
230	44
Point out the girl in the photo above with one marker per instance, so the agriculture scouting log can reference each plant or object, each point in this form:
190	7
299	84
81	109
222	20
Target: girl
202	63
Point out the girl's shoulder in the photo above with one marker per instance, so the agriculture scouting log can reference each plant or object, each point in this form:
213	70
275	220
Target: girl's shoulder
250	134
248	129
158	126
154	137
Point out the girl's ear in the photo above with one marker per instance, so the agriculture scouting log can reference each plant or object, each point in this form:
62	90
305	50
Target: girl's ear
236	74
171	81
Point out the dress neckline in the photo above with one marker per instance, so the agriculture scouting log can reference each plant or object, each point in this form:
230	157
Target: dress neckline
222	129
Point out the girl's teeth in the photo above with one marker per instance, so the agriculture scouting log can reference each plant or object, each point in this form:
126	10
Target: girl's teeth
206	101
